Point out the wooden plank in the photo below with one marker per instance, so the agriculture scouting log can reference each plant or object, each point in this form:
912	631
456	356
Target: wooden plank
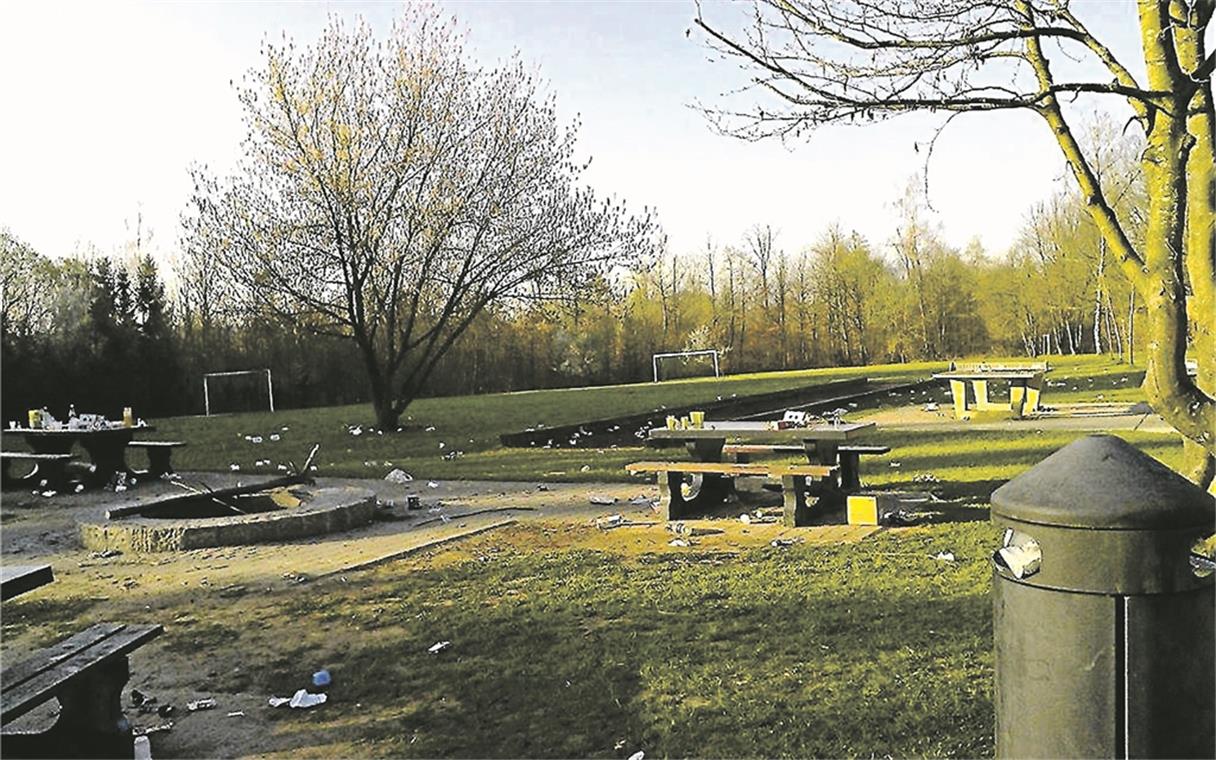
43	659
36	457
721	468
33	692
156	444
18	579
860	448
807	470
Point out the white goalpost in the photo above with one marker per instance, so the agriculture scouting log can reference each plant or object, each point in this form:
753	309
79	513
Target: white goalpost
207	390
711	352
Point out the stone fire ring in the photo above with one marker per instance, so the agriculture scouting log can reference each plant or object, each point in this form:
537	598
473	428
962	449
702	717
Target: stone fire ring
326	510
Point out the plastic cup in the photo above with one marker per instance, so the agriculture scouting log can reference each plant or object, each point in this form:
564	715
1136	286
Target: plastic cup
128	417
698	419
684	424
35	419
672	422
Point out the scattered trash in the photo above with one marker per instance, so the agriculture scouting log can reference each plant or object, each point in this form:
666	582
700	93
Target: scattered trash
355	430
896	465
234	467
237	714
275	436
602	501
106	555
641	501
639	755
756	518
430	429
931	406
542	487
611	521
944	556
148	730
901	518
926	478
79	487
679	542
207	703
439	646
431	484
256	439
413	502
585	468
300	700
321	679
778	543
399	476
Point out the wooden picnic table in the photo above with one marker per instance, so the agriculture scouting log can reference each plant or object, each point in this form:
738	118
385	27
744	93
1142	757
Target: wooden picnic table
18	579
105	446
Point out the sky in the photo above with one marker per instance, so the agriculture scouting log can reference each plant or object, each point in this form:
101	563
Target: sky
107	105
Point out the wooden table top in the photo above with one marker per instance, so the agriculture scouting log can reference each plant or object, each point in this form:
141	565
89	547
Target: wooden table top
63	431
761	431
994	374
18	579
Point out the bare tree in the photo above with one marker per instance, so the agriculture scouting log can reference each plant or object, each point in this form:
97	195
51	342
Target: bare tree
826	61
390	190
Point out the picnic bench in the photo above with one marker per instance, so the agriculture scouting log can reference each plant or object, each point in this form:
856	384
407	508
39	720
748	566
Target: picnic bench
159	454
1025	387
49	467
798	481
18	579
86	673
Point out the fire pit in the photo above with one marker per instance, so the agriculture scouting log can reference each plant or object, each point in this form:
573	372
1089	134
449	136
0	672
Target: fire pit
200	520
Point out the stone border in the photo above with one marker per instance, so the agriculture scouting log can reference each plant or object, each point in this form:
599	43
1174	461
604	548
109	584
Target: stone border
325	510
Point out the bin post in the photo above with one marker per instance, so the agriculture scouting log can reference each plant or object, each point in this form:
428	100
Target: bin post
1103	620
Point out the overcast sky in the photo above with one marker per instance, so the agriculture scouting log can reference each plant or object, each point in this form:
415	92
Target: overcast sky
106	105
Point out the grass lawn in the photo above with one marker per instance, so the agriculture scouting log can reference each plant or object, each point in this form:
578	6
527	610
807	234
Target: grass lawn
472	425
572	642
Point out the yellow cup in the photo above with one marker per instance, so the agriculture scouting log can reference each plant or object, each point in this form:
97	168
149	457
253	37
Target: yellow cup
698	419
684	423
128	417
35	419
671	422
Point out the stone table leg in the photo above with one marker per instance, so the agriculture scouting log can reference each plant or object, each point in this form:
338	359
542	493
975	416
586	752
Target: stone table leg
981	393
1017	396
958	391
1034	387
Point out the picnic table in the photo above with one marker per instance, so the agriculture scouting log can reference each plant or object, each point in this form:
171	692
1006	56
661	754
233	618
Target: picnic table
1025	387
106	446
820	442
18	579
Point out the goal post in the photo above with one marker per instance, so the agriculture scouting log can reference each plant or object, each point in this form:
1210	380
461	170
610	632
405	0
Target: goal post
244	372
710	352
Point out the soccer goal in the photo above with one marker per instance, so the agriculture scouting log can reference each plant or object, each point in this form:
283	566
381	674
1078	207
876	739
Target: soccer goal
240	391
688	362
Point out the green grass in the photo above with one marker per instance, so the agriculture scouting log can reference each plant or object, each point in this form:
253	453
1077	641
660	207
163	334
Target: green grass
472	425
562	647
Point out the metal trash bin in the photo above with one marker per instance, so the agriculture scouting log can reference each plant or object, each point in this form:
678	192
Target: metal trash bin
1102	615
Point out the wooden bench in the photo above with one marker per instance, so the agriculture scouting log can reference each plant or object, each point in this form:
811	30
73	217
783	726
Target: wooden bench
717	481
159	453
86	673
49	467
741	452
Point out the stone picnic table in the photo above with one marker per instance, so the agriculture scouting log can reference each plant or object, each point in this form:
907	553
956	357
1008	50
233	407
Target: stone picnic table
1025	387
106	446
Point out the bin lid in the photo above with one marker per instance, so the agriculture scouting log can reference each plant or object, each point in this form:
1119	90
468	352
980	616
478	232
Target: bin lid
1102	481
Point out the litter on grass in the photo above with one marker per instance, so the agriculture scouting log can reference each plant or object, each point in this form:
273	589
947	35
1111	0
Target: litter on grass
944	556
611	521
602	501
300	700
207	703
399	476
439	646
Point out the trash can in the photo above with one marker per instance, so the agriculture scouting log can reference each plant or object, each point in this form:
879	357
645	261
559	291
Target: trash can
1102	611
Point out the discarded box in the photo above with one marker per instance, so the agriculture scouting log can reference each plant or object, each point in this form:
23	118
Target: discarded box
872	508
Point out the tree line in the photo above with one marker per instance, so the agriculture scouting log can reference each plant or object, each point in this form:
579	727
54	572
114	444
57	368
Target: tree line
104	332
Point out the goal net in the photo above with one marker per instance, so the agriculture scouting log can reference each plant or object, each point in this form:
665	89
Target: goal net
678	364
241	391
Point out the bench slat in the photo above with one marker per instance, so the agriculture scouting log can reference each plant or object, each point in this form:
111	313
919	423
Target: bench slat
858	448
36	457
51	656
26	696
156	444
809	470
750	448
722	468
